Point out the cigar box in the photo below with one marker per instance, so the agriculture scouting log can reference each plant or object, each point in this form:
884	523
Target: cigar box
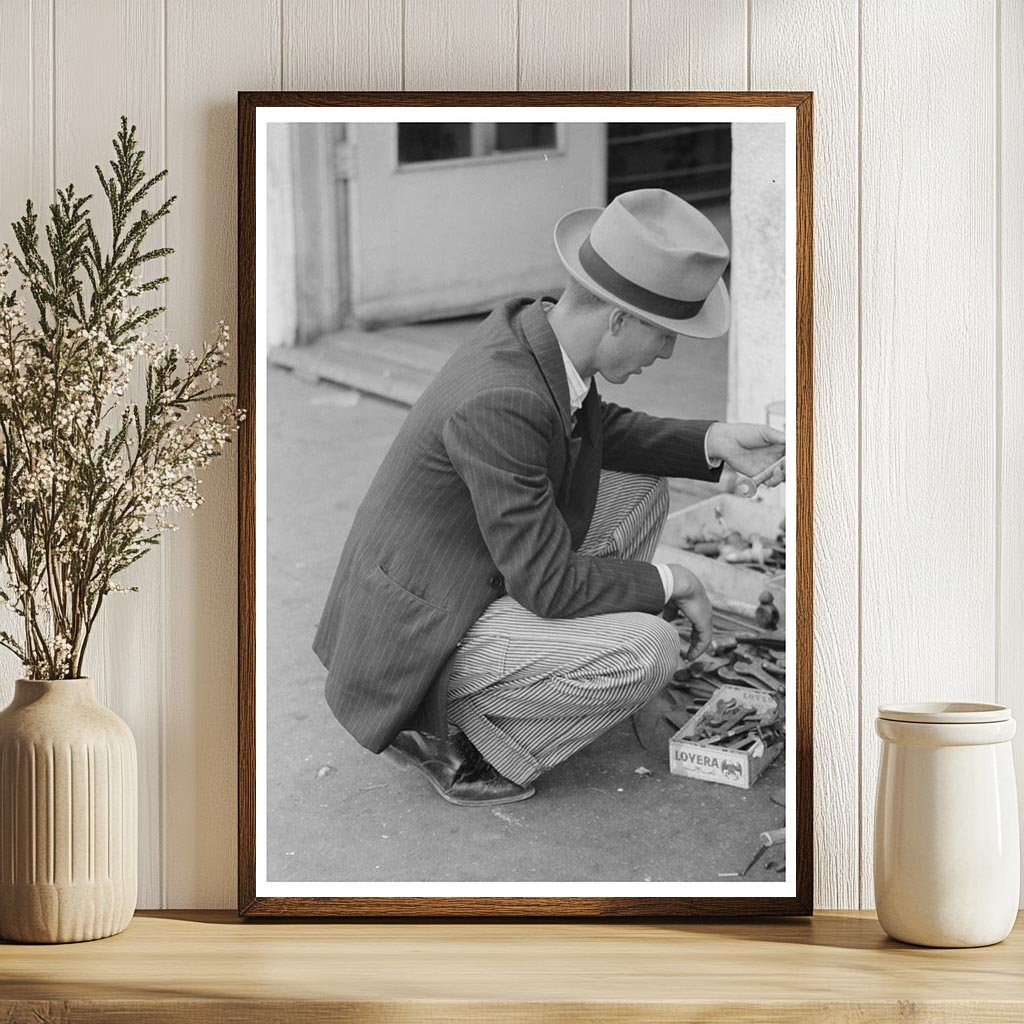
712	762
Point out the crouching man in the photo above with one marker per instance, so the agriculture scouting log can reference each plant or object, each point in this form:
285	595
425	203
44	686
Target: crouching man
495	608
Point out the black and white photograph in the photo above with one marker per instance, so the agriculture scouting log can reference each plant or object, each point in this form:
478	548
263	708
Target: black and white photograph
525	384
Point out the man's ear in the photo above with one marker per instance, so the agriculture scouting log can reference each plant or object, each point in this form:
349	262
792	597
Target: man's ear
616	318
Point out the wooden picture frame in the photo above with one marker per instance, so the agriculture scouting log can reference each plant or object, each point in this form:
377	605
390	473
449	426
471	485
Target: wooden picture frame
795	110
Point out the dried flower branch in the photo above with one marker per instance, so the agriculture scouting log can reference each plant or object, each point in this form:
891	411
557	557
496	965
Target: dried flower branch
88	478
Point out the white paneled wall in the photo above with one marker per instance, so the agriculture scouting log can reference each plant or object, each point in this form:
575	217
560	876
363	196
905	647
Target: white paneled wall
919	305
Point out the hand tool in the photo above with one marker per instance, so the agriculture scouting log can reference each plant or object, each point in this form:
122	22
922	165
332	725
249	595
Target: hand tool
711	548
767	615
706	665
679	718
742	680
755	551
704	686
721	645
743	608
746	487
747	743
754	670
777	643
768	840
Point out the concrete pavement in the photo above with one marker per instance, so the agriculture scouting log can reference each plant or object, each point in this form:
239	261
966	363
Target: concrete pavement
339	813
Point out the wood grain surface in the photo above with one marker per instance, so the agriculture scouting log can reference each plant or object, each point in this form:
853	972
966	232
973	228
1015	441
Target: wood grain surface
349	44
466	45
696	45
801	741
928	516
918	156
196	966
26	127
128	82
832	75
574	44
1009	281
230	45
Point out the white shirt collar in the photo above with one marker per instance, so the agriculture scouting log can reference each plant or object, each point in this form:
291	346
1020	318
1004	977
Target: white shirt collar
578	387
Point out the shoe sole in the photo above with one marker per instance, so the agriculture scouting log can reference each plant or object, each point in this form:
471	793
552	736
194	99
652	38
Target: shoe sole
400	757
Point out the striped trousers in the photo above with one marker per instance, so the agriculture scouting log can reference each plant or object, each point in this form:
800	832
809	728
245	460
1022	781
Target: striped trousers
529	692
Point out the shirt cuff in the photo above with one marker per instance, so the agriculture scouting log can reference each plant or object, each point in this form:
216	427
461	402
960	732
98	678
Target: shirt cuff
712	463
668	581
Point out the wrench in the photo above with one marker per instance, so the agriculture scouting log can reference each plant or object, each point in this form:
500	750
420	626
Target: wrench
751	682
747	487
753	670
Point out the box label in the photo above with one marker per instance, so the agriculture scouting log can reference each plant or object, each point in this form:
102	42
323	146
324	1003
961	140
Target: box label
703	763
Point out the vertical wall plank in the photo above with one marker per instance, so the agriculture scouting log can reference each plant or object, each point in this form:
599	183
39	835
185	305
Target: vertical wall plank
26	107
213	50
930	383
460	44
698	44
574	44
122	657
1010	260
928	519
26	123
348	44
782	58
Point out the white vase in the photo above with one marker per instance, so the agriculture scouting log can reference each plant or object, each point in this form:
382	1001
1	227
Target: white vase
68	815
947	847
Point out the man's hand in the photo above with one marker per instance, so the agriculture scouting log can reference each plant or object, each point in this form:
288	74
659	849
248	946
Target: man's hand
691	597
748	449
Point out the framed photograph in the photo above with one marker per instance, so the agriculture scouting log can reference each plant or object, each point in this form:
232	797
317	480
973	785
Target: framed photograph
525	504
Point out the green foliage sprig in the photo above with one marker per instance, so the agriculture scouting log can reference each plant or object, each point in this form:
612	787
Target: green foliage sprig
88	477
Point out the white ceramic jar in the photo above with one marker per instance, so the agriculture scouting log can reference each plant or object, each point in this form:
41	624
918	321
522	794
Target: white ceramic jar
947	846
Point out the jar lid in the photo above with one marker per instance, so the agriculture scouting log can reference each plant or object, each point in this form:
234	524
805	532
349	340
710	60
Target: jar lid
945	713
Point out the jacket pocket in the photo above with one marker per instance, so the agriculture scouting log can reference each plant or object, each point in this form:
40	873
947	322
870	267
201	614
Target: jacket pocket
381	576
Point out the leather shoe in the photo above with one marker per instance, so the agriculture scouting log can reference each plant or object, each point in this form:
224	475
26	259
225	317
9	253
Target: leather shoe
479	782
456	770
439	760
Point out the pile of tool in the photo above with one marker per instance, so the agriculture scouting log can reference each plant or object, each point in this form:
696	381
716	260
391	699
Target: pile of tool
730	725
776	837
755	552
752	659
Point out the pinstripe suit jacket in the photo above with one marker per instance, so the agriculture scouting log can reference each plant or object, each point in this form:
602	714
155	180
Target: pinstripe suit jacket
487	489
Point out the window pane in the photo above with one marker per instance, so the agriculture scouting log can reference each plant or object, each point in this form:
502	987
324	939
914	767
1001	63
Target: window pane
419	142
510	137
691	160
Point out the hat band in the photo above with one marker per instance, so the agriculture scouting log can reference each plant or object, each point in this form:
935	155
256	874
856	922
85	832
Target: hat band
636	295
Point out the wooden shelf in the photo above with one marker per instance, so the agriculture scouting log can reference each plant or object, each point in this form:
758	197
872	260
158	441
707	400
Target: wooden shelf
208	966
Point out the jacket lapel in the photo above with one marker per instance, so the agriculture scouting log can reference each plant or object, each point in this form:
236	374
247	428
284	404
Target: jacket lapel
545	348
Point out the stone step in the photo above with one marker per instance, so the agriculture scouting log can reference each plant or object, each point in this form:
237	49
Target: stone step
372	372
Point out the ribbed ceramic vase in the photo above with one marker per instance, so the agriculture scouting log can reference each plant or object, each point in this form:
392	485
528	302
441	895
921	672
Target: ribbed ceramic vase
947	846
68	815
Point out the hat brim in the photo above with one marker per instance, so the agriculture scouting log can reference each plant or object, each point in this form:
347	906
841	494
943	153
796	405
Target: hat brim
711	322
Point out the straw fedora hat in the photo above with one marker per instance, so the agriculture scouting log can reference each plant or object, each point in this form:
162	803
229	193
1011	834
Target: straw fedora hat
654	255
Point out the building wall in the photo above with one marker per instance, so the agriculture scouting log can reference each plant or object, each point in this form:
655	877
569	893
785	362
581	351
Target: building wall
434	240
757	334
919	305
